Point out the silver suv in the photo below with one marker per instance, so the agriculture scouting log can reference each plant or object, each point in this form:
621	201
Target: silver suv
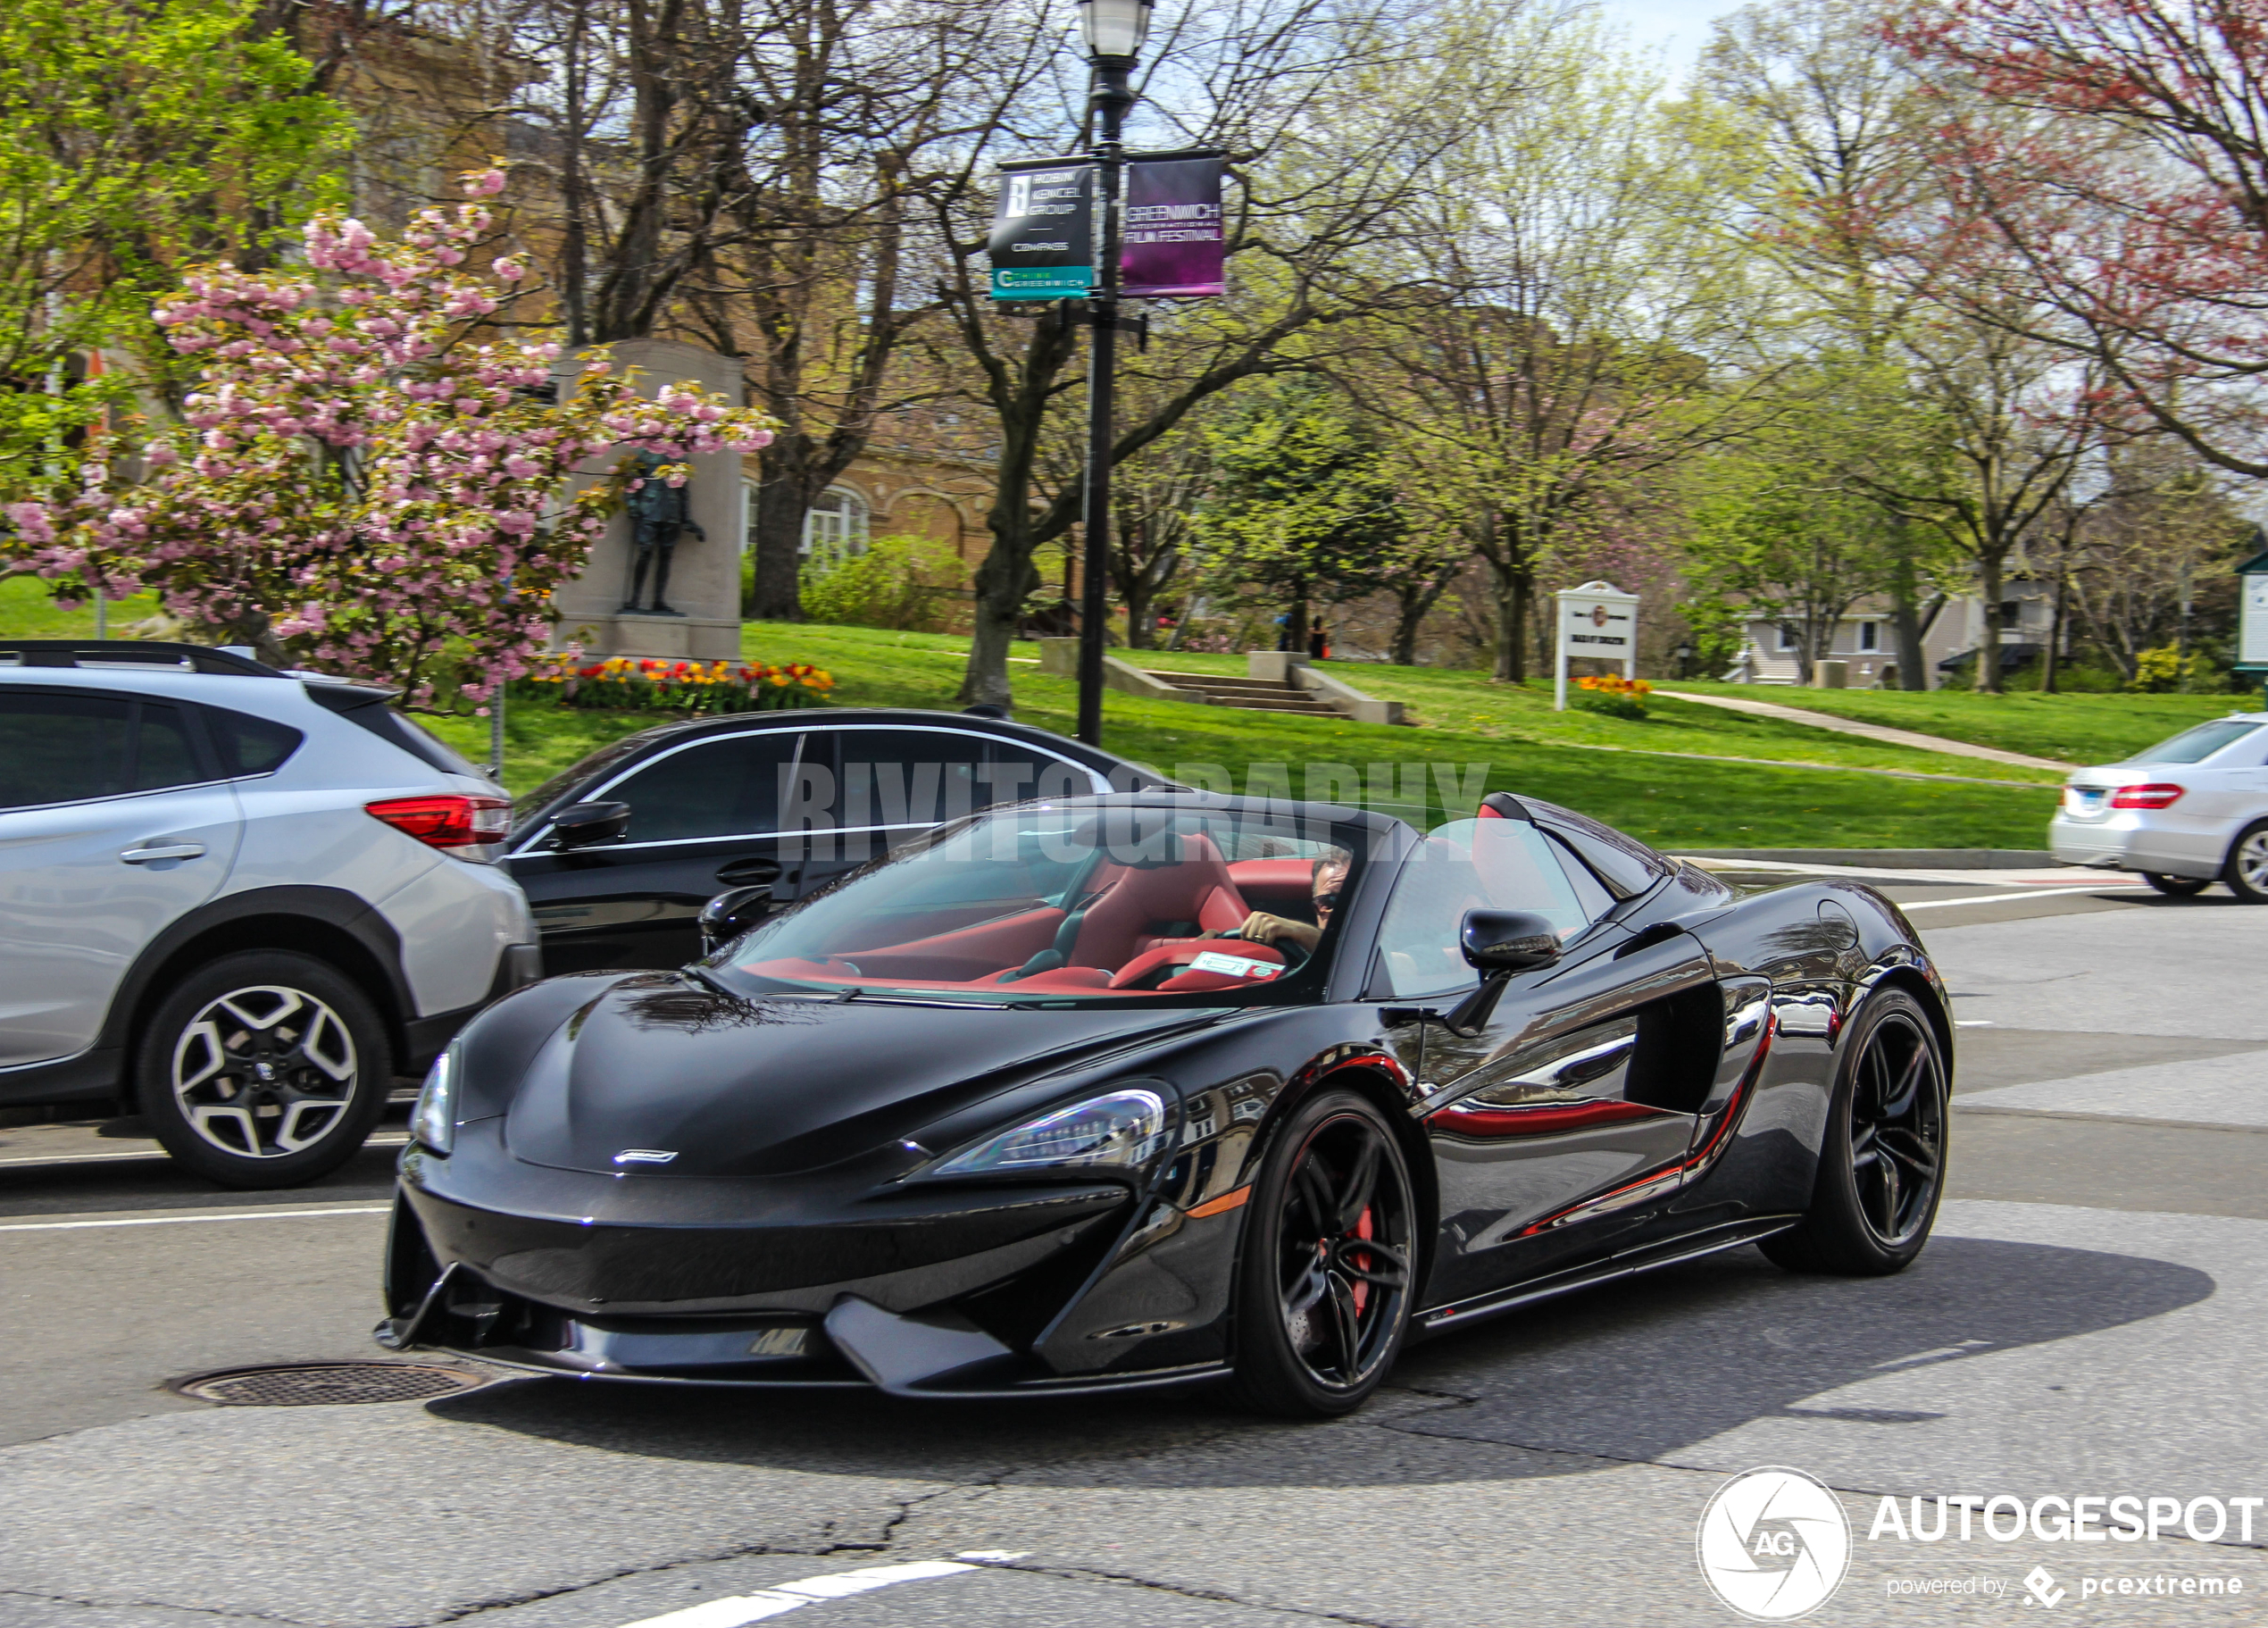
242	899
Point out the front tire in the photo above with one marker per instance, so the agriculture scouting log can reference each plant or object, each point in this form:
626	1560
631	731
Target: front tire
2177	887
1881	1168
1324	1286
2245	870
263	1069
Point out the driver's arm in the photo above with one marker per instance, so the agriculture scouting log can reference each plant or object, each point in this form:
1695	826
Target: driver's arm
1261	928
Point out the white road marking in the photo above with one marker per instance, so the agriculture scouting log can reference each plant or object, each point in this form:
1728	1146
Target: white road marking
784	1596
1986	898
168	1220
149	1153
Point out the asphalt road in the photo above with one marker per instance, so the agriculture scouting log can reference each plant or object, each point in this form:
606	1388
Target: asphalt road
2089	1320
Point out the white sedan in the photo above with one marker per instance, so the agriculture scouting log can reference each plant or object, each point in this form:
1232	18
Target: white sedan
2184	813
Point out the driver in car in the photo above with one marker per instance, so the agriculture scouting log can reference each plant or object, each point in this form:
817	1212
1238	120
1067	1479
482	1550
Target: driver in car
1261	928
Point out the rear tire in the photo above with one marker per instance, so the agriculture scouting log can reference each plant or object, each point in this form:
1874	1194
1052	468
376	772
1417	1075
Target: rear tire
263	1069
1881	1167
2178	887
2245	870
1324	1288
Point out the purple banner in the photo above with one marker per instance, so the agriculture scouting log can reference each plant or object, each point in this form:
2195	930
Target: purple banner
1173	242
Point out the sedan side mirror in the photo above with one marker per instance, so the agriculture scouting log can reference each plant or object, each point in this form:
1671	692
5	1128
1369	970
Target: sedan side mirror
1509	940
1500	943
587	824
727	916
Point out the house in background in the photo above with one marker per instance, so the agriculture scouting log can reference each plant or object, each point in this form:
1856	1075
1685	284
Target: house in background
1866	641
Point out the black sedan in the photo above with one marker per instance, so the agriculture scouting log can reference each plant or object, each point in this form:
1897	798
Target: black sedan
1163	1088
618	854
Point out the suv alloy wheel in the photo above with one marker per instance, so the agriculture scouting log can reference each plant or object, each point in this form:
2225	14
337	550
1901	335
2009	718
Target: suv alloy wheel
265	1068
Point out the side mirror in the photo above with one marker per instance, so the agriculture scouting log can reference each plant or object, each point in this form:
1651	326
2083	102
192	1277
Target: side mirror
1509	940
1500	943
727	916
587	824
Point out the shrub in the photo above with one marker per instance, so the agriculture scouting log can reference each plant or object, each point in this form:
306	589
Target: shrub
1615	696
906	584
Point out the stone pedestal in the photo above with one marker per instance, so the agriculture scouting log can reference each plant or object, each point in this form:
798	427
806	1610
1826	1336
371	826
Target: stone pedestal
705	574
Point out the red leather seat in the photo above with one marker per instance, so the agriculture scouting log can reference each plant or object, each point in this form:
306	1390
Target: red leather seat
1122	921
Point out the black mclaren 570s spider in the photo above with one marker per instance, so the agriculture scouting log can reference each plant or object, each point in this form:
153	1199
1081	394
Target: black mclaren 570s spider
1163	1088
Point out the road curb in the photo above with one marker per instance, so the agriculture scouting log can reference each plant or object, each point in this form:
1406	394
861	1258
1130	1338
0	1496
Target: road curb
1891	858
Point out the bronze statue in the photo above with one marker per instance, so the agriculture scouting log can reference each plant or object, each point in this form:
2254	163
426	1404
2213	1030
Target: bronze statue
658	512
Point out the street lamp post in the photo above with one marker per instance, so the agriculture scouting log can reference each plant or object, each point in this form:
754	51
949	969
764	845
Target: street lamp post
1113	32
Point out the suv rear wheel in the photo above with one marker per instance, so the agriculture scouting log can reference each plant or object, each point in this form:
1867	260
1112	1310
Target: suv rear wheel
263	1069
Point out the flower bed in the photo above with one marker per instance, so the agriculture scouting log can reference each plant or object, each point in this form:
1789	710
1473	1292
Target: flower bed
624	683
1615	696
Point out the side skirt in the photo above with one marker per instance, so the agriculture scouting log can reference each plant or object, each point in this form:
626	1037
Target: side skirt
1690	1248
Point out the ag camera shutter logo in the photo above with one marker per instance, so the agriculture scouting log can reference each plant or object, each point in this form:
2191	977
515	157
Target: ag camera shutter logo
1773	1544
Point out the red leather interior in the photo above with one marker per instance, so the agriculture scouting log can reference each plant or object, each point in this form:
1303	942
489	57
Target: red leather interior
968	955
1116	948
1181	952
1275	884
1118	924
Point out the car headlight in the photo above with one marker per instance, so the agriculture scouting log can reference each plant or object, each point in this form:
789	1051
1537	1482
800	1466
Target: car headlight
434	1120
1121	1131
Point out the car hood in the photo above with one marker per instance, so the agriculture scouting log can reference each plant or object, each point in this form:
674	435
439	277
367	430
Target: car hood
734	1087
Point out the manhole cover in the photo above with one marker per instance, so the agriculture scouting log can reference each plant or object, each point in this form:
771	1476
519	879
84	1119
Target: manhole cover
325	1384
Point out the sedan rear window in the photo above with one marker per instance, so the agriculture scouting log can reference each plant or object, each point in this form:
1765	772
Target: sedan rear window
2195	746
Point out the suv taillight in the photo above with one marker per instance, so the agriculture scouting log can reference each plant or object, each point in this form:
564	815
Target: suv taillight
2145	796
469	826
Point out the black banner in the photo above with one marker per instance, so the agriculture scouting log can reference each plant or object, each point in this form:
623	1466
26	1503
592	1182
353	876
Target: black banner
1043	230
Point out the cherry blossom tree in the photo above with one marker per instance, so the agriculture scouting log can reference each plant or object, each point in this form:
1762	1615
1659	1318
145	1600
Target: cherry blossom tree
2103	188
368	476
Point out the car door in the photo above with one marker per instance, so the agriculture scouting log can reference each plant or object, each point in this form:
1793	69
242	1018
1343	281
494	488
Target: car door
1566	1118
704	818
114	821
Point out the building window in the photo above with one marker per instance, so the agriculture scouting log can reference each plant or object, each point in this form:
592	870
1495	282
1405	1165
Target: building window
1787	638
1870	636
747	515
836	523
2012	613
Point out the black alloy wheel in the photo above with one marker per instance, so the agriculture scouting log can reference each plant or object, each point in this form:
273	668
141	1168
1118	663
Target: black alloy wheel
1881	1169
263	1069
2177	887
1327	1276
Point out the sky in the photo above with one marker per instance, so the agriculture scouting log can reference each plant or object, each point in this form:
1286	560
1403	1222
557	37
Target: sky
1679	26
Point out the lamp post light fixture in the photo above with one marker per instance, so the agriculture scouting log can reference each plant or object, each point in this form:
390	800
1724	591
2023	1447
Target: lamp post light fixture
1113	32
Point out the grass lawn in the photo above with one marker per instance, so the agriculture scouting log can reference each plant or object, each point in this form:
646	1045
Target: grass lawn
2079	729
1471	703
26	612
1673	802
1677	802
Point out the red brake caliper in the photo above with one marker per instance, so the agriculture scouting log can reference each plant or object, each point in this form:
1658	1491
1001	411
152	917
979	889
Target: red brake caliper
1362	1289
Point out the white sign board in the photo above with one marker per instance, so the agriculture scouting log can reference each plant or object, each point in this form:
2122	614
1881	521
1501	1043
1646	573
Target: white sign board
1598	621
2252	643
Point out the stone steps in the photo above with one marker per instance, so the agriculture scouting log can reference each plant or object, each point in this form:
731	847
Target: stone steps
1250	695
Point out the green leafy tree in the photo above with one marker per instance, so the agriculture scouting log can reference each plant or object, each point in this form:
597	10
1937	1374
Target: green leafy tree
1305	511
133	139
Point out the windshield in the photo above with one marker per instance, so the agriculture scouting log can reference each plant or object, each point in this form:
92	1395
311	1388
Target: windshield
2195	746
1068	905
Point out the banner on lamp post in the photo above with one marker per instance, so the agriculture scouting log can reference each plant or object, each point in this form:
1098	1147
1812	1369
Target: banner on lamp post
1043	230
1174	241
